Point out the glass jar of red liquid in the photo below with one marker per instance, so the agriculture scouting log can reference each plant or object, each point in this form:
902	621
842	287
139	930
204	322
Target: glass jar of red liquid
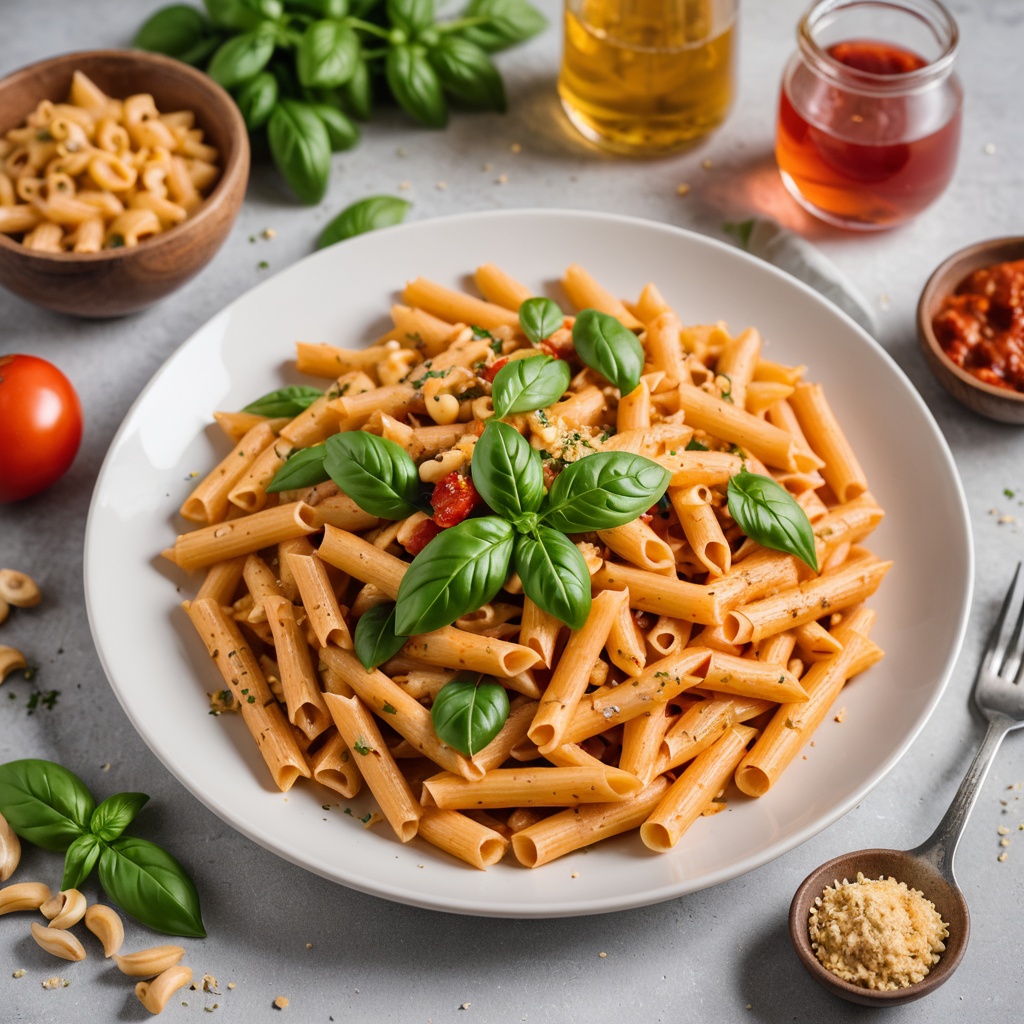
869	116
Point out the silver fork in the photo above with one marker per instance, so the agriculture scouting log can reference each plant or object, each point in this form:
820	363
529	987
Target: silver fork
999	696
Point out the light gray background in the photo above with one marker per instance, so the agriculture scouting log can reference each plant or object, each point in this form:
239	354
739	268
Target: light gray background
718	955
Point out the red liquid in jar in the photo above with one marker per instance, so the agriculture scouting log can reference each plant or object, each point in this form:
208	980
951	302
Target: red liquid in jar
862	159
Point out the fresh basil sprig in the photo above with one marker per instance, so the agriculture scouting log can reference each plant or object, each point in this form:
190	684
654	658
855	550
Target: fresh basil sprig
469	711
300	69
51	807
554	575
766	512
368	214
462	568
523	385
377	474
374	639
507	472
608	347
540	318
602	491
288	401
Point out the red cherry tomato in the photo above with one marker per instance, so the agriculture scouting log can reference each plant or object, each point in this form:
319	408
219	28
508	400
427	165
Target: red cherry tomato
453	499
40	426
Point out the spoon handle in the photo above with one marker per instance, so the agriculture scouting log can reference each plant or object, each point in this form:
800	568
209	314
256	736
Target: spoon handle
940	847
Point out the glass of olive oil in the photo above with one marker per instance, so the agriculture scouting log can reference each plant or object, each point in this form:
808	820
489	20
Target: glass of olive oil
646	77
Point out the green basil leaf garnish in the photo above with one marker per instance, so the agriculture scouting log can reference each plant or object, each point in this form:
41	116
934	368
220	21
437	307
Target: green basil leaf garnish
523	385
694	445
602	491
368	214
303	468
766	512
288	401
301	149
44	803
241	58
377	474
146	882
540	318
467	72
554	575
461	569
415	85
242	15
327	54
411	16
257	98
79	860
179	31
357	92
608	347
469	712
115	814
374	638
507	472
341	129
503	23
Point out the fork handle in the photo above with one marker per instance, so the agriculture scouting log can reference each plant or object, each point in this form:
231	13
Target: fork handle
940	847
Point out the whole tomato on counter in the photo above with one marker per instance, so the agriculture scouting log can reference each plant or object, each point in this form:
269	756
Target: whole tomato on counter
40	425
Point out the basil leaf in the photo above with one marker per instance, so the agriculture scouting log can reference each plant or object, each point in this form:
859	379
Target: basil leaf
554	575
468	713
115	814
415	85
288	401
461	569
176	30
540	318
357	92
327	55
693	445
467	73
411	16
242	15
80	860
241	58
368	214
377	474
375	639
507	22
766	512
303	468
322	8
44	803
602	491
609	348
523	385
341	132
146	882
256	99
507	471
301	149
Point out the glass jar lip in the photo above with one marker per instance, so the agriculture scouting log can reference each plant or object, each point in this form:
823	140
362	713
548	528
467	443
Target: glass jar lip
932	12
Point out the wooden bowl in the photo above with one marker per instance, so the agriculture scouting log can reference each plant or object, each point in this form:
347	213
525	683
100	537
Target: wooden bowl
986	399
114	282
904	866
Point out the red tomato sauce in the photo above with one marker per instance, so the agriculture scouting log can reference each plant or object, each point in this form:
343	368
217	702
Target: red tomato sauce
981	325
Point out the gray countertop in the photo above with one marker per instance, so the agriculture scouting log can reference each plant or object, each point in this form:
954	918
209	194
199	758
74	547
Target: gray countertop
718	955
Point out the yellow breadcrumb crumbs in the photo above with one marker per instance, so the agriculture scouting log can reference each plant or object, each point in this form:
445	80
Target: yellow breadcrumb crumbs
281	1002
19	973
876	933
55	982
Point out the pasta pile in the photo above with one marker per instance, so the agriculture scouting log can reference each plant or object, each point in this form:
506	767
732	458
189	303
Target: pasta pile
706	657
100	173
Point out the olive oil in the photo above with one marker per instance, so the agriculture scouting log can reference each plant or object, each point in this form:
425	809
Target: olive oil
647	76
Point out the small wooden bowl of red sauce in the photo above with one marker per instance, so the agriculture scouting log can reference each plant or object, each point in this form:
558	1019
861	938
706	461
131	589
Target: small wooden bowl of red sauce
970	322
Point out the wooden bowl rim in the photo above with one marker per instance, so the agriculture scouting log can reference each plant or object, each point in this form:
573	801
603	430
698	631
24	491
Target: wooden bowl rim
234	171
964	261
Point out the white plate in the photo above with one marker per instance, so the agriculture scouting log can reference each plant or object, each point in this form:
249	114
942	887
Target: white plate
161	674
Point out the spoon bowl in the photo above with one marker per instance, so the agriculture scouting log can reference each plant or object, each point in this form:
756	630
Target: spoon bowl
918	872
